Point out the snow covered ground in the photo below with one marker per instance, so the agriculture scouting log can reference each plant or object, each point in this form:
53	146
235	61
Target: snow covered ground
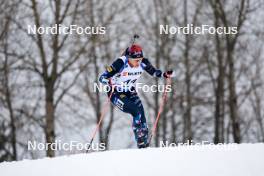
235	160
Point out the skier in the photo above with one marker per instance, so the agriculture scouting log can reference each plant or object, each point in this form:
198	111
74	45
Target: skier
122	75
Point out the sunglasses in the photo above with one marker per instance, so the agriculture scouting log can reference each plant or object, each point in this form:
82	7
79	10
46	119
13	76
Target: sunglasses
137	60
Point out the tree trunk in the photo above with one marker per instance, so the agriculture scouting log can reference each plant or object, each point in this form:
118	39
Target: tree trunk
233	99
9	104
219	92
187	133
49	130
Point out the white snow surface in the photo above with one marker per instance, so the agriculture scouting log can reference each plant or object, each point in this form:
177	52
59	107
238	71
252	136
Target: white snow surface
235	160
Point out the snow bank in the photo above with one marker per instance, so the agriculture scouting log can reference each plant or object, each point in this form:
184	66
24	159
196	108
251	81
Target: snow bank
238	160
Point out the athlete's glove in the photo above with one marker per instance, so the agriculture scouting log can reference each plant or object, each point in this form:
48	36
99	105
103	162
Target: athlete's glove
104	80
168	74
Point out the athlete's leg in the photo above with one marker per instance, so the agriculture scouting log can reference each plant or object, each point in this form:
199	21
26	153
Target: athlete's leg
139	122
130	103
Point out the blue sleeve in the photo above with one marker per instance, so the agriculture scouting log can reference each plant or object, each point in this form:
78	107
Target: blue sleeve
150	69
112	69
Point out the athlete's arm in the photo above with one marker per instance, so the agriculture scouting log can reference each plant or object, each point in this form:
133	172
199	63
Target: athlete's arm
153	71
150	69
111	70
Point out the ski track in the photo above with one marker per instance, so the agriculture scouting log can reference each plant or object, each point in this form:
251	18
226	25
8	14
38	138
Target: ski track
241	160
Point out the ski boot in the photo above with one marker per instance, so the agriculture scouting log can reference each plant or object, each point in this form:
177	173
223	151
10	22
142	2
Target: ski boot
142	139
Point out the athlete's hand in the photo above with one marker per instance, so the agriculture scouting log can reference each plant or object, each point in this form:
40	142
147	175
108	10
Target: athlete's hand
168	74
104	80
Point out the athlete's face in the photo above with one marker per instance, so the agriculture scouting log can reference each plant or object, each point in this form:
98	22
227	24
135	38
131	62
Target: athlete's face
135	62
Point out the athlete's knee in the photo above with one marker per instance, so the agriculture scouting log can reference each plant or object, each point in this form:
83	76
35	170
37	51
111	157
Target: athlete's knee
134	110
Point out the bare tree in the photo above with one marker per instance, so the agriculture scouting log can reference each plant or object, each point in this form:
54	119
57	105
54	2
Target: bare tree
50	67
6	93
231	40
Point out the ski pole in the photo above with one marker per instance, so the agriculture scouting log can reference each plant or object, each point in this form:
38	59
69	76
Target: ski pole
105	108
164	96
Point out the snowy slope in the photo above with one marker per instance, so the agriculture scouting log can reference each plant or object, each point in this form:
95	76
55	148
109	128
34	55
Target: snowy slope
241	160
